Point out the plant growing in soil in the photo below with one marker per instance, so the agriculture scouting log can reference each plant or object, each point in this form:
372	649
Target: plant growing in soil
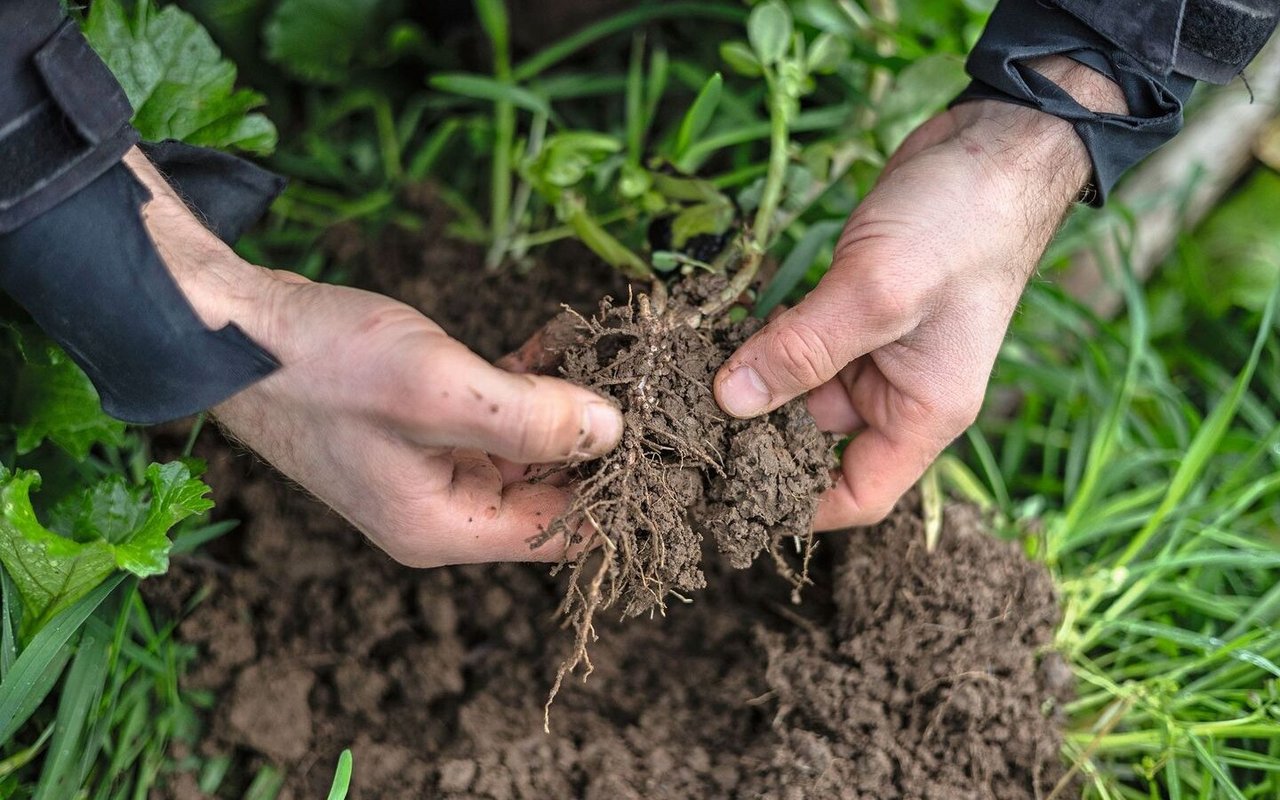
684	472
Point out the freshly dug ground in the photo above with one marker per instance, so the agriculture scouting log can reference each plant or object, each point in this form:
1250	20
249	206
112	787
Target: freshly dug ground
901	674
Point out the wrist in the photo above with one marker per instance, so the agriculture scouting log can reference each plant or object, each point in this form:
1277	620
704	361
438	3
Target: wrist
1034	148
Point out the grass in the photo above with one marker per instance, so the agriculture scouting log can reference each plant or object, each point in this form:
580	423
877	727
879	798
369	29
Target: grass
1148	480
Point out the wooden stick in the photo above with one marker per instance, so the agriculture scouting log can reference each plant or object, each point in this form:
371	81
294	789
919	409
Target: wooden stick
1176	187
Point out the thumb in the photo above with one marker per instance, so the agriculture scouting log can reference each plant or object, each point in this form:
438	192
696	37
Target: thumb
530	419
846	316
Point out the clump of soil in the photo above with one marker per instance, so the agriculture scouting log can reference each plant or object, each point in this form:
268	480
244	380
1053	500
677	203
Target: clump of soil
903	674
684	471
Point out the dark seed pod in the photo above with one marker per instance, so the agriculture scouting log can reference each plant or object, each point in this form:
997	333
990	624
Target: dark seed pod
659	233
704	247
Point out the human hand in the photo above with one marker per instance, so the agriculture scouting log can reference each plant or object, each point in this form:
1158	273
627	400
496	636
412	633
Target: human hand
414	439
897	342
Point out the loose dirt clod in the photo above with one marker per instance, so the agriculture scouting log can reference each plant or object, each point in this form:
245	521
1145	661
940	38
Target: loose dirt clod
684	470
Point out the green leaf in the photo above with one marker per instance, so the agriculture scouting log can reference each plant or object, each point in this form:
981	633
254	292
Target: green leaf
566	157
54	400
769	30
321	40
341	777
664	260
827	53
712	218
52	571
81	694
699	115
482	87
178	82
920	91
797	263
740	58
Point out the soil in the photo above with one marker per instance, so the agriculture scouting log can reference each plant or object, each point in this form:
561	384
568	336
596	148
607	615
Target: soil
901	674
684	472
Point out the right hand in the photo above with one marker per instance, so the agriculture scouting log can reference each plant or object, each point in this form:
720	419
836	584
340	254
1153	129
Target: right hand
896	343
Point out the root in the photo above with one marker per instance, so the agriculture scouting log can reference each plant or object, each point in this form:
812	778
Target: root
683	471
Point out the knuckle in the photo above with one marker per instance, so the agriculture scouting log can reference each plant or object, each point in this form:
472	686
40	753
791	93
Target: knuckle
942	415
960	410
801	355
878	512
416	546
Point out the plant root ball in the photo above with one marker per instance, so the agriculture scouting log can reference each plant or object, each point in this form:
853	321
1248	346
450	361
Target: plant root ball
684	471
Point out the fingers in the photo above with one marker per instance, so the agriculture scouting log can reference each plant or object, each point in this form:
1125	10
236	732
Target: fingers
910	415
831	405
478	524
471	517
877	468
456	399
851	312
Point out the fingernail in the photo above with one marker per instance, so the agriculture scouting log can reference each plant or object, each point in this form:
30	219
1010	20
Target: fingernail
743	393
602	427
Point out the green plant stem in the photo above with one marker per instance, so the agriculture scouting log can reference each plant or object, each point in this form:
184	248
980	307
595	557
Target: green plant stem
504	138
756	241
779	142
588	229
543	237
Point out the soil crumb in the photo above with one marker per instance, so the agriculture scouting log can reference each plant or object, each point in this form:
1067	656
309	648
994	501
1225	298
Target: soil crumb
903	674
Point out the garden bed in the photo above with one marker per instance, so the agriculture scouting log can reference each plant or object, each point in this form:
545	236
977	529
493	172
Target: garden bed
902	673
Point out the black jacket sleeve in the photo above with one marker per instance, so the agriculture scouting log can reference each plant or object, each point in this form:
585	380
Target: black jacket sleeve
1209	40
1155	50
73	249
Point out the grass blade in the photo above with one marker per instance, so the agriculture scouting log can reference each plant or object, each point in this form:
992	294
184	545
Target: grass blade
1226	787
625	21
698	117
8	613
342	777
81	692
482	87
1205	442
797	263
40	663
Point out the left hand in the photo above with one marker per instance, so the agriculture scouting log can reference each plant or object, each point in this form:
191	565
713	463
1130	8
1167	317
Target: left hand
417	441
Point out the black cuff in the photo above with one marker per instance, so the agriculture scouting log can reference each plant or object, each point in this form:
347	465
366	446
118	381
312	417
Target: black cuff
1024	29
88	273
70	118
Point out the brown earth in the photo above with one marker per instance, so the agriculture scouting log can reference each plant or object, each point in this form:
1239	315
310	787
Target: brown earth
684	472
901	674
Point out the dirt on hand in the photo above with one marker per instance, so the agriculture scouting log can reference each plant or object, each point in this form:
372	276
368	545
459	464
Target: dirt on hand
902	674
